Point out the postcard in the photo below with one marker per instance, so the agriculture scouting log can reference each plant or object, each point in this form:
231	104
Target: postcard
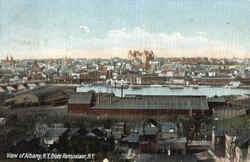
125	80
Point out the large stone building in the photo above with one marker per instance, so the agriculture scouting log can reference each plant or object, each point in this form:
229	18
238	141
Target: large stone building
37	72
9	61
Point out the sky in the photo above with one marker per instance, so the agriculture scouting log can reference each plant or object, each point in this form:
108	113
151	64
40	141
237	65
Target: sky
109	28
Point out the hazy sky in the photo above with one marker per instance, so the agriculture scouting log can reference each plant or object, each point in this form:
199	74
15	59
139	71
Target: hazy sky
105	28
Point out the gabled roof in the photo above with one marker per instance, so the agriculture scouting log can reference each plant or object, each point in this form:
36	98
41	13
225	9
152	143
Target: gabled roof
47	91
40	91
157	102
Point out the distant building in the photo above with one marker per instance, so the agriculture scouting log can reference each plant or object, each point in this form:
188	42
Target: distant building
37	72
9	61
152	79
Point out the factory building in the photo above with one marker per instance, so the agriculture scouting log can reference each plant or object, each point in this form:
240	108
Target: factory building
107	104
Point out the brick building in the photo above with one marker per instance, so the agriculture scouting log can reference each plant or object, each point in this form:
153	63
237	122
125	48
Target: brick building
107	104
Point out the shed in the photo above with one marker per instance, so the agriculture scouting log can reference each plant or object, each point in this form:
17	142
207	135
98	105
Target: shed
42	95
23	98
50	95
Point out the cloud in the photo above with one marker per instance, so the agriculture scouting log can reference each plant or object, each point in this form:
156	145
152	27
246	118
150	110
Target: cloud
119	41
85	28
171	43
140	38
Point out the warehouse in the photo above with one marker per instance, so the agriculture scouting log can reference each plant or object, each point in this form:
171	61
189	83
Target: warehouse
106	104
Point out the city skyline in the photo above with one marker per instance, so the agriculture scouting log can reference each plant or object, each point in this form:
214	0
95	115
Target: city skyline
92	29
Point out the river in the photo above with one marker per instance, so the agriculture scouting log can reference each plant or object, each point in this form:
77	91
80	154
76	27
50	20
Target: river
205	91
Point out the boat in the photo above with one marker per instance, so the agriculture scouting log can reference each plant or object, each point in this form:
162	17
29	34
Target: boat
175	87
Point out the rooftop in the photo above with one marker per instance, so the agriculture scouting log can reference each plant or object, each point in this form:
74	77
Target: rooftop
55	132
81	98
174	140
168	127
155	102
217	99
47	91
40	91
